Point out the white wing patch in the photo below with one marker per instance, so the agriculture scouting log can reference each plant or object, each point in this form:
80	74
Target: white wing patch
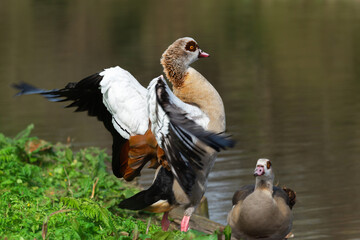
159	119
125	99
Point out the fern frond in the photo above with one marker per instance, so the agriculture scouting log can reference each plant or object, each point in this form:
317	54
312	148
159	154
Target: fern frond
7	150
25	133
7	153
89	208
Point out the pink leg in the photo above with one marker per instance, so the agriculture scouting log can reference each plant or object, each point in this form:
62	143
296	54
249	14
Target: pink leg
165	223
185	223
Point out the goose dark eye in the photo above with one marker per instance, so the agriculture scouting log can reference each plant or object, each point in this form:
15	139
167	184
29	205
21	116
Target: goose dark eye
191	46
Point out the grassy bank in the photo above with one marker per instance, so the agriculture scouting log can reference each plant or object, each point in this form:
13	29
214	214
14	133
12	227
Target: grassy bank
49	191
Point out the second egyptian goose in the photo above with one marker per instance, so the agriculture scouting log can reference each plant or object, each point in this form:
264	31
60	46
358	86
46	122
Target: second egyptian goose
178	132
262	211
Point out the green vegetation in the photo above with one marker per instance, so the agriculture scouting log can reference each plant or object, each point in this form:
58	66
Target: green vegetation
48	191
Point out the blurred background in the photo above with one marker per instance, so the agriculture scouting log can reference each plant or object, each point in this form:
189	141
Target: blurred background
287	71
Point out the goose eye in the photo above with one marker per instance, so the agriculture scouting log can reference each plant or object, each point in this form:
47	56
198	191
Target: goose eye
191	46
268	164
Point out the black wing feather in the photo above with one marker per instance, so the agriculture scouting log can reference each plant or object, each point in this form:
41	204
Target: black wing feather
183	154
161	189
84	95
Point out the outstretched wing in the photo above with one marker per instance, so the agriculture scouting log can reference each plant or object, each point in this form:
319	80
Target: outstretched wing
115	97
178	128
84	95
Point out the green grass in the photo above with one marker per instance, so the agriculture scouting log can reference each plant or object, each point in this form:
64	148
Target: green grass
49	191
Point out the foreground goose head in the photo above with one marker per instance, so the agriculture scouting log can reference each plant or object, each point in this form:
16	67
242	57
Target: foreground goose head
262	211
177	58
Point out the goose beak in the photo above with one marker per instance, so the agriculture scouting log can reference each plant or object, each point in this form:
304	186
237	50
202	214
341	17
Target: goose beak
259	171
203	54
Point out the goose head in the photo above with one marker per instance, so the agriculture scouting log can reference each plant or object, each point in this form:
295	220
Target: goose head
263	171
183	51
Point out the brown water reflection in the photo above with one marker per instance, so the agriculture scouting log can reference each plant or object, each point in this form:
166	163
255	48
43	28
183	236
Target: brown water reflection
287	71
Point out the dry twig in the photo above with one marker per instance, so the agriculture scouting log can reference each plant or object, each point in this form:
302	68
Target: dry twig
148	226
93	189
69	182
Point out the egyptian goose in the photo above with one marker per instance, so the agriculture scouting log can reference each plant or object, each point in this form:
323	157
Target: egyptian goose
262	211
178	132
191	87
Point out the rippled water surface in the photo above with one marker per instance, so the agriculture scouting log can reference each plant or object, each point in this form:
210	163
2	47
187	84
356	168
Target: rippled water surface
288	72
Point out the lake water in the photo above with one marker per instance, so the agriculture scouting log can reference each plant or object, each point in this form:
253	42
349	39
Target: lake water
288	72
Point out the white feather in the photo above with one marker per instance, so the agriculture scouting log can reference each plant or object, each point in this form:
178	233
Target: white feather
160	121
125	99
